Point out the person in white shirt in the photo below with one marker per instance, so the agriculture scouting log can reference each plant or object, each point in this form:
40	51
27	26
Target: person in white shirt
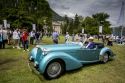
16	39
67	37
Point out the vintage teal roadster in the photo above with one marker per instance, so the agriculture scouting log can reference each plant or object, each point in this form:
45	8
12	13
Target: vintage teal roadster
53	60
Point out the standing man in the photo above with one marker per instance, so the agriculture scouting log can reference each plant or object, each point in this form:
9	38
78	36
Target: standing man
32	37
16	39
55	36
67	37
37	37
73	37
4	34
1	39
9	34
25	40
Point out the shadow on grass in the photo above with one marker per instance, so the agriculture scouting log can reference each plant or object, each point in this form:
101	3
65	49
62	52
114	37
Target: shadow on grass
6	81
40	76
69	72
34	71
3	63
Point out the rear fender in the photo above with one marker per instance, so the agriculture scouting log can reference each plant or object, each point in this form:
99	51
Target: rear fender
70	62
103	51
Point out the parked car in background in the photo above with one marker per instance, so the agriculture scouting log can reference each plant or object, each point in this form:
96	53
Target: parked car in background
53	60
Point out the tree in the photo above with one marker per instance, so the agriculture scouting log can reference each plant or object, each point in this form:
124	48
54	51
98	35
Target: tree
101	18
65	27
90	25
71	27
76	24
25	12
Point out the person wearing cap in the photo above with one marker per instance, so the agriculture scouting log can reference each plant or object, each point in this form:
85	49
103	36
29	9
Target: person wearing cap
91	44
77	41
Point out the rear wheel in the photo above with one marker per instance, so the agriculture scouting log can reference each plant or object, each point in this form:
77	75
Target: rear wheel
54	69
105	58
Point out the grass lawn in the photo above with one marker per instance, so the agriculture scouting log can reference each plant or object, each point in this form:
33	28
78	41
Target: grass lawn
14	68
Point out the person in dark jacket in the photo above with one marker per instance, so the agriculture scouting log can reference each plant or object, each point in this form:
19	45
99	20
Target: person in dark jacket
90	44
25	40
55	37
1	40
37	37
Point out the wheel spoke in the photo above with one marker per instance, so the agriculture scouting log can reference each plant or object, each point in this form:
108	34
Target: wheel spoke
105	58
54	69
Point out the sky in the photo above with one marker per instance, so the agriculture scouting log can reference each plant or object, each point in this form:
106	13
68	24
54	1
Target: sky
87	8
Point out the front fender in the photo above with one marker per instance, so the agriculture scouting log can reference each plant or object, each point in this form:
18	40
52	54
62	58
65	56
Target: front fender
70	62
33	53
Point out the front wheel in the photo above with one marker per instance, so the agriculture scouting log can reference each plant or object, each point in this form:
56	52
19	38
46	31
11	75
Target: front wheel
105	58
54	69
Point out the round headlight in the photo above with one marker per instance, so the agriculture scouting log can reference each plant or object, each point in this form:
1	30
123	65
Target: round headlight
45	51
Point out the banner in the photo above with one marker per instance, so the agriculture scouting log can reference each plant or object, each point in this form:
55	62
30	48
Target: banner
5	23
100	29
34	26
82	30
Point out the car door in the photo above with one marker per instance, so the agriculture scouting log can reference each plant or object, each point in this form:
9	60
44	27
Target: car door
89	54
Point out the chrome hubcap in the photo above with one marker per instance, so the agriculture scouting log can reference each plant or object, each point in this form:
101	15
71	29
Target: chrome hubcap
105	58
30	58
54	69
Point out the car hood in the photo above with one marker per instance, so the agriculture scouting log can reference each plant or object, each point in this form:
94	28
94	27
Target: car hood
59	47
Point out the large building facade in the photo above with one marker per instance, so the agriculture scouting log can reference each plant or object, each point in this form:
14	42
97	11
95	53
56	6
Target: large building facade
56	25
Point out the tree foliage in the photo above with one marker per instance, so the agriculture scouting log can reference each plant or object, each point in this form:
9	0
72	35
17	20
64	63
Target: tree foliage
21	13
90	24
101	18
71	25
65	26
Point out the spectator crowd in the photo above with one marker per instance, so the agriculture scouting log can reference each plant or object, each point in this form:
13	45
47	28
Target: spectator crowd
21	38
